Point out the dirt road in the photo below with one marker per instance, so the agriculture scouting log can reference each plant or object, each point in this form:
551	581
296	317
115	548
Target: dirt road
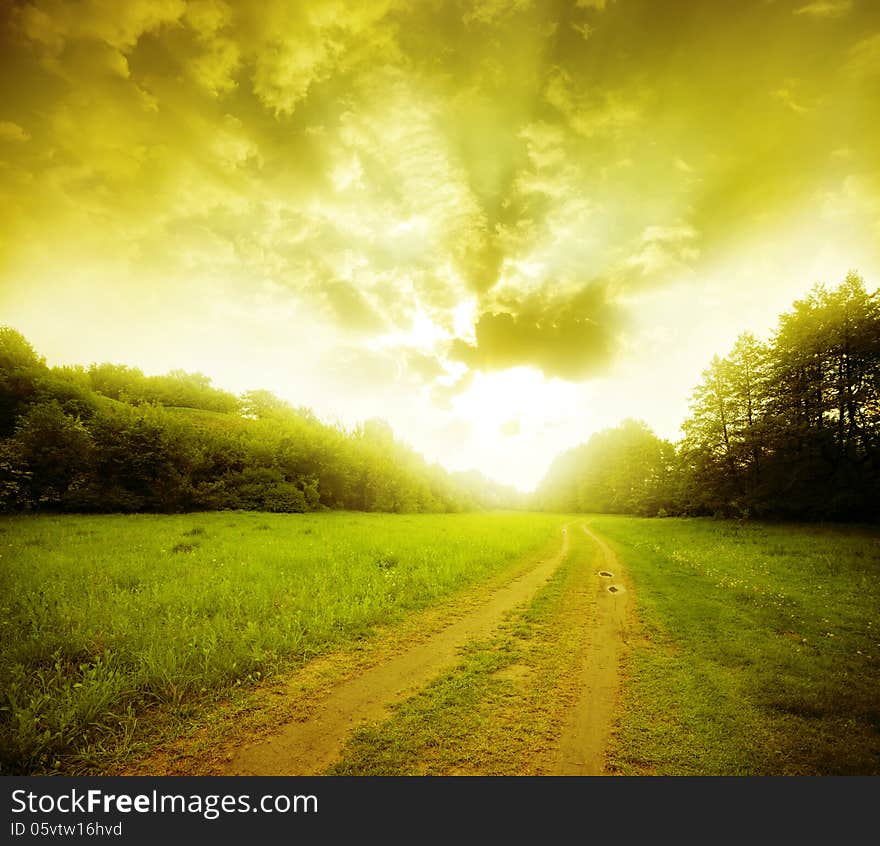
306	748
314	714
588	730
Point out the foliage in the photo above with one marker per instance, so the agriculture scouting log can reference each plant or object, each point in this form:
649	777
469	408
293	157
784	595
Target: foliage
792	429
625	469
787	429
108	438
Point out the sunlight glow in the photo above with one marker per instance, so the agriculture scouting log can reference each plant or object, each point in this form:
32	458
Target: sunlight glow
498	227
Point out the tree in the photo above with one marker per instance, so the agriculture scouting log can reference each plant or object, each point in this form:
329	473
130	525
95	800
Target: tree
55	451
143	461
823	415
261	404
20	372
627	470
723	446
117	381
792	428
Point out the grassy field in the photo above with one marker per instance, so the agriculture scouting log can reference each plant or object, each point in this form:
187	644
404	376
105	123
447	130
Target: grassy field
110	622
761	648
757	652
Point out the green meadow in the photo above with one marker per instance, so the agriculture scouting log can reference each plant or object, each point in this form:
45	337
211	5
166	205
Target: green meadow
759	652
108	620
755	650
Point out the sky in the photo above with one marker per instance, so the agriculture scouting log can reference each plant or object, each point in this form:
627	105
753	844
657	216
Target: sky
500	226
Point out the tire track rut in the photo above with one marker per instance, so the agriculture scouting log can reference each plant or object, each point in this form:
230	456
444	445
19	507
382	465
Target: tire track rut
585	737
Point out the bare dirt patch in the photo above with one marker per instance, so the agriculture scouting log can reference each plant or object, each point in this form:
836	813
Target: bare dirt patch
585	738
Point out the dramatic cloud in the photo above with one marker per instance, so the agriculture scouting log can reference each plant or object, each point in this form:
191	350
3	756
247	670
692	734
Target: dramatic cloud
429	194
572	337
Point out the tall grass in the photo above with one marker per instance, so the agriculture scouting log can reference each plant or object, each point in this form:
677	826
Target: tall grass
104	617
762	653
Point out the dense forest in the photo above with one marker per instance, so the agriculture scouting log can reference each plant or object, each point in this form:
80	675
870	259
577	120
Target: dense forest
789	428
109	438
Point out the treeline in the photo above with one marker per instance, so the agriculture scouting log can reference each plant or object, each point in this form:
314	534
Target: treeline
108	438
789	428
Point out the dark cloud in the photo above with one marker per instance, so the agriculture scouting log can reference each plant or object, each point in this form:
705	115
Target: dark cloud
567	337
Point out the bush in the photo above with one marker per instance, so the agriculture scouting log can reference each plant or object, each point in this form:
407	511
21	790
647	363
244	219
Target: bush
285	498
